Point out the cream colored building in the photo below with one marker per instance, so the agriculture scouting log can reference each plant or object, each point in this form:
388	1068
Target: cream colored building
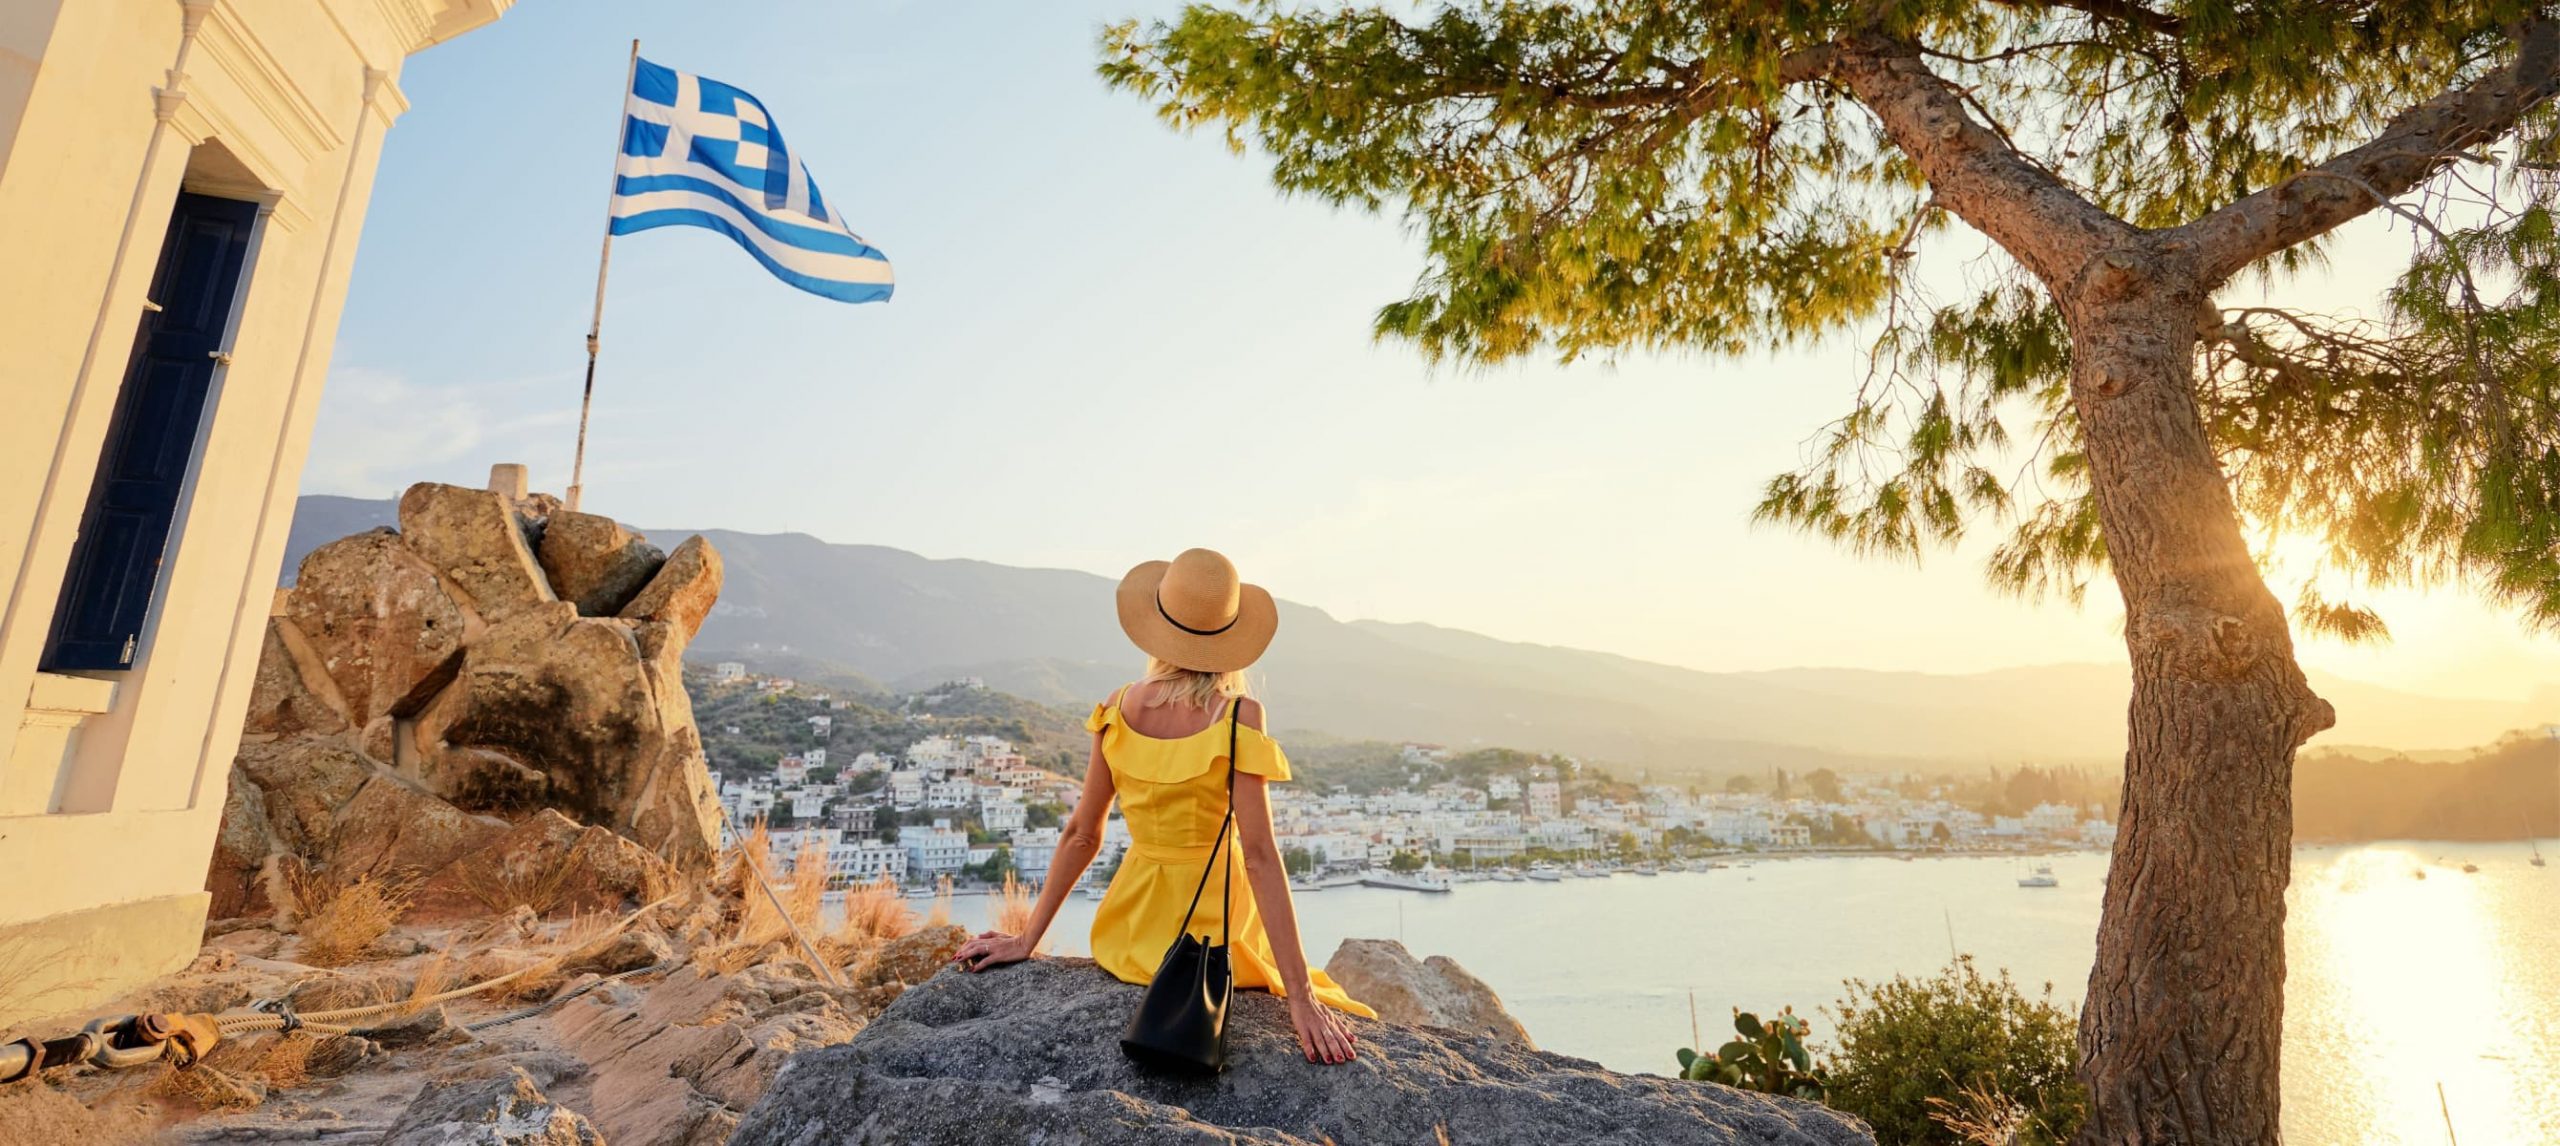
181	187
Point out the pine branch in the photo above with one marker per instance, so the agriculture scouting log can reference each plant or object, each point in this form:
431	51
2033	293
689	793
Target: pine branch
1971	167
2417	144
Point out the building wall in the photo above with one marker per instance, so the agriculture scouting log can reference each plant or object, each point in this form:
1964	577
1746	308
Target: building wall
112	784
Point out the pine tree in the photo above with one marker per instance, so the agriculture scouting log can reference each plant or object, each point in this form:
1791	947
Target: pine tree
1608	175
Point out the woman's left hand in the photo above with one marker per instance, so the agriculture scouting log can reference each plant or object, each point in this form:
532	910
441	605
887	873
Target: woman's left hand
992	949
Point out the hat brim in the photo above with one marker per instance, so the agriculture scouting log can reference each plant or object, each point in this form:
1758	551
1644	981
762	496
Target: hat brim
1234	648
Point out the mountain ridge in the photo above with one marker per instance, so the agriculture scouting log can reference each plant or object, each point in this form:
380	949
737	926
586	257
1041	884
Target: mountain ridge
1049	635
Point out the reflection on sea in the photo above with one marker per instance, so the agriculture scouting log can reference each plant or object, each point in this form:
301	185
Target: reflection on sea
2396	983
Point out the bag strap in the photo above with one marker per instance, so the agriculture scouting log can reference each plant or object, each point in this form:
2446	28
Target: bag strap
1217	848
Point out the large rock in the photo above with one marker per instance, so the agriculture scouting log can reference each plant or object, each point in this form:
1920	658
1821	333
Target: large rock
683	591
383	626
473	537
427	695
594	563
1433	992
678	1067
608	728
1030	1053
552	864
282	697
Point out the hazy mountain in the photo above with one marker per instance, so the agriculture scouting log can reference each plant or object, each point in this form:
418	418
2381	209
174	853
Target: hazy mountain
1049	635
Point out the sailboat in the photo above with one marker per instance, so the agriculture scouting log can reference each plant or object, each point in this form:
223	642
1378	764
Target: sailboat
2042	876
2537	854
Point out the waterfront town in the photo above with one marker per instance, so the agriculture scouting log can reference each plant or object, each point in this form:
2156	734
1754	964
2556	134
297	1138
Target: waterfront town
971	808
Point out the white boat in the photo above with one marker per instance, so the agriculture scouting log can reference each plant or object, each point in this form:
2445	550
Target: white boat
1591	873
1546	875
1506	875
2042	876
1426	880
1644	869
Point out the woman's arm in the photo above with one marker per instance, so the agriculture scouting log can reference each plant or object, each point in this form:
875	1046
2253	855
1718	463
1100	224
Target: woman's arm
1077	845
1321	1034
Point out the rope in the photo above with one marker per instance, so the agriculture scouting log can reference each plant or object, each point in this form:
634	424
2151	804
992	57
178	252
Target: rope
565	996
238	1023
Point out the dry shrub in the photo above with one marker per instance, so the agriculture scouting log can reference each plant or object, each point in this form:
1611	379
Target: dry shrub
207	1088
761	928
341	922
540	980
434	976
1013	910
36	1114
495	885
285	1062
876	913
940	915
1982	1117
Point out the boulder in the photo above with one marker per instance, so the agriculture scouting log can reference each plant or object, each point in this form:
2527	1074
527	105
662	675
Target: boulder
391	829
379	621
1433	992
1030	1053
473	537
679	1066
306	780
282	701
424	692
237	878
684	589
594	563
507	1109
549	863
572	698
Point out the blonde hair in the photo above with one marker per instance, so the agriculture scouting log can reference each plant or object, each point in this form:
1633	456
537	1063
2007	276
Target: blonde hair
1203	690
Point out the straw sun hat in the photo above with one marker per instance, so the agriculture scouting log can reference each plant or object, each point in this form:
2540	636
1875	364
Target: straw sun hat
1193	612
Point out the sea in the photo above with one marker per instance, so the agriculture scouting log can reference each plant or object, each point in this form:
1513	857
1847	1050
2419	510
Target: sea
2422	1002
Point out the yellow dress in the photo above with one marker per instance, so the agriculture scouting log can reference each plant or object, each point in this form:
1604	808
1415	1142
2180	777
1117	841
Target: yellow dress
1173	794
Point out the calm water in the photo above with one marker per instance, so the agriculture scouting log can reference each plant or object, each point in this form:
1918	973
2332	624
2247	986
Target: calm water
2397	984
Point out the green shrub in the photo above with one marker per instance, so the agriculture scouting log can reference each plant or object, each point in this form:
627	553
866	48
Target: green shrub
1954	1045
1770	1057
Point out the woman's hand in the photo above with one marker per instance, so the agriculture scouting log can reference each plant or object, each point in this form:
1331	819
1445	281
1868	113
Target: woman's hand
992	949
1322	1035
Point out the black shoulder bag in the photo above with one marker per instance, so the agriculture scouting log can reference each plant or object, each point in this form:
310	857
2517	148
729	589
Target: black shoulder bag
1181	1024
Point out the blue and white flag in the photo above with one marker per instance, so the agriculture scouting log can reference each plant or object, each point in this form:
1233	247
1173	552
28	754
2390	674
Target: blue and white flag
699	153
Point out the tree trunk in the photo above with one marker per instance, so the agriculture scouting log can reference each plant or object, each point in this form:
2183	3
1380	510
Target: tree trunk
2180	1037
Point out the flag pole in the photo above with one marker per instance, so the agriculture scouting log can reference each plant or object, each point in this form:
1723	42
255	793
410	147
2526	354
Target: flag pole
604	261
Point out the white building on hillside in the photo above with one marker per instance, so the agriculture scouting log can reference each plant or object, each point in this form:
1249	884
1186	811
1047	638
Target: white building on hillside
936	850
182	187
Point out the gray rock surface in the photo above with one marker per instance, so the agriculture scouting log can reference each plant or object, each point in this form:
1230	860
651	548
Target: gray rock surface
507	1109
1030	1053
1434	992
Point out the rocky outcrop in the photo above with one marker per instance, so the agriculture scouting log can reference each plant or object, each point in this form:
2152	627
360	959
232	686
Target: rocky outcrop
1433	992
596	564
438	704
1030	1053
505	1108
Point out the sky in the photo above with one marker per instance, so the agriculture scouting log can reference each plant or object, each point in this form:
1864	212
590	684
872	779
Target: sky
1112	342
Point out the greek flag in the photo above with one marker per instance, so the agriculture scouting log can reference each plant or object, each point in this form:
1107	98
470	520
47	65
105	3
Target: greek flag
699	153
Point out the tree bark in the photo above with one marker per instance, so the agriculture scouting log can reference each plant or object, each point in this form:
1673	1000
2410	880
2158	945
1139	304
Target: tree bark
2180	1036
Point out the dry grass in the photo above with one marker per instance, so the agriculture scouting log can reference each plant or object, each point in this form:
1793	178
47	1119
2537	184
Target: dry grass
491	883
761	929
1981	1117
205	1087
1013	910
339	923
434	976
286	1062
940	915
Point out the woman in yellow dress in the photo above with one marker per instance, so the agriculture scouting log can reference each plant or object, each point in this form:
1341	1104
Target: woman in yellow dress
1160	747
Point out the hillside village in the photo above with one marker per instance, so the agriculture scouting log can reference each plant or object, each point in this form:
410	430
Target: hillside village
920	788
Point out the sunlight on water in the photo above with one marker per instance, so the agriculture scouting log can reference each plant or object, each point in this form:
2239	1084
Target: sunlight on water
2400	984
2394	983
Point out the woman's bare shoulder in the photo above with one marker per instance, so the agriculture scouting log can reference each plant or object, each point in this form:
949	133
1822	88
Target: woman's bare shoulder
1249	713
